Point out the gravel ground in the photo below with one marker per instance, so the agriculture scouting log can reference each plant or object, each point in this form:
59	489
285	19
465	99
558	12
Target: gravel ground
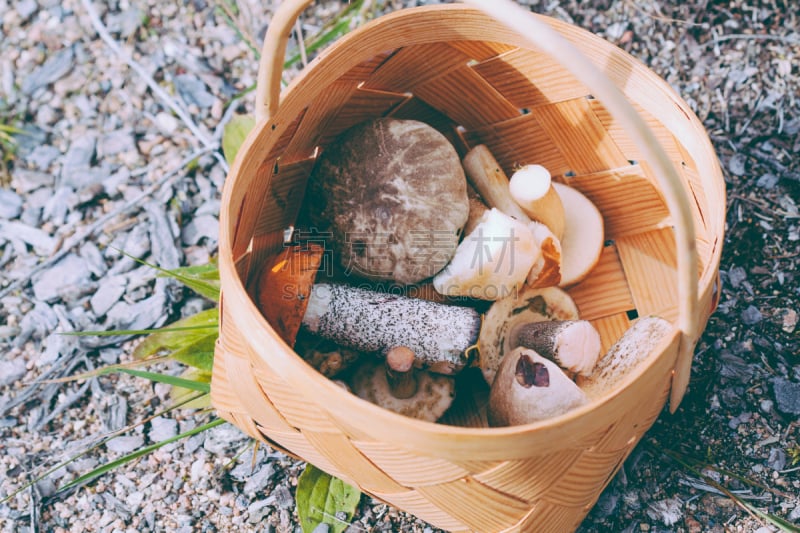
121	104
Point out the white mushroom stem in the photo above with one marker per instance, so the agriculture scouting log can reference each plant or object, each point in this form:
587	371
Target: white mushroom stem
530	388
531	188
371	321
485	175
476	210
400	372
573	344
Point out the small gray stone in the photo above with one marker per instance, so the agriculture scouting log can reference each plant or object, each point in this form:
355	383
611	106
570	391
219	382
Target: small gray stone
737	165
41	241
26	8
767	181
12	371
777	459
736	276
162	429
57	207
125	444
78	158
43	156
71	270
787	396
94	259
222	438
258	510
193	91
110	291
284	497
199	228
259	480
10	204
116	142
55	68
26	181
751	316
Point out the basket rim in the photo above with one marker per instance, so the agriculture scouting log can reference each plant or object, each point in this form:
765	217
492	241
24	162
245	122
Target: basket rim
292	367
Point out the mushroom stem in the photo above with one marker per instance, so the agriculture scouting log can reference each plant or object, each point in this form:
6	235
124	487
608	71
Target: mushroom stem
400	372
371	321
531	188
573	344
484	173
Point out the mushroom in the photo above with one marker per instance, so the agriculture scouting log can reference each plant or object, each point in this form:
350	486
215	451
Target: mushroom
392	194
504	316
397	385
530	388
325	356
546	271
490	262
361	319
573	344
583	238
531	188
633	348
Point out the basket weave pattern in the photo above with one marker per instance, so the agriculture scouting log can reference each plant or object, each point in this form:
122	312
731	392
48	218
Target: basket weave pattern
472	79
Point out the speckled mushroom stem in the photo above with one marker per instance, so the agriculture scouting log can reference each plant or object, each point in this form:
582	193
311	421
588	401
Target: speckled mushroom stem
370	321
573	344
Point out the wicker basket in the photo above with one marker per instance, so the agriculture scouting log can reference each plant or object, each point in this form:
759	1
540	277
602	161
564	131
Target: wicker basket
533	90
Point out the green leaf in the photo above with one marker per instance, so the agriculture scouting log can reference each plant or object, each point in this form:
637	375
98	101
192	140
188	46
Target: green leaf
324	499
180	395
169	380
190	340
204	284
234	134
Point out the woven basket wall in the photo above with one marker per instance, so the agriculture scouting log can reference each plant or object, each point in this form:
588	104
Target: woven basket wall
477	81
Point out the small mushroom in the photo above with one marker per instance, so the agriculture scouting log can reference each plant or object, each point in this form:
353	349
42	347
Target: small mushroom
633	348
392	193
531	188
492	261
504	316
573	344
397	385
360	319
530	388
583	238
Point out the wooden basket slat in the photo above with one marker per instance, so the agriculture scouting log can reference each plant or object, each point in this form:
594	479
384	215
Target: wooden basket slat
549	517
529	79
284	139
415	65
626	143
465	97
469	407
424	509
581	484
299	444
519	141
338	449
407	468
611	328
481	50
361	71
363	104
605	292
698	198
531	478
579	136
416	109
646	257
627	199
496	510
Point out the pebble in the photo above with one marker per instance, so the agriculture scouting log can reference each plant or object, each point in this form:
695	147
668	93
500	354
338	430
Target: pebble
223	438
71	270
42	156
751	316
26	181
12	371
125	444
26	8
193	91
57	66
108	293
787	396
10	204
259	479
78	159
162	429
768	181
199	228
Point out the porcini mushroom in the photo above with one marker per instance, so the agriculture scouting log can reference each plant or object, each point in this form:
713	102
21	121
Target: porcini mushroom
393	195
583	238
531	188
397	385
529	388
490	262
634	347
361	319
573	344
528	306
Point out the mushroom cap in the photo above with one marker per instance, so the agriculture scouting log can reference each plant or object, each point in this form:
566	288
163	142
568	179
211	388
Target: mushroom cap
326	356
584	235
529	388
393	195
435	392
528	305
491	262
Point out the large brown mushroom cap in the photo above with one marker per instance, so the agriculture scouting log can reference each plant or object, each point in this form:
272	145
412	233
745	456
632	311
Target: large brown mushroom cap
394	196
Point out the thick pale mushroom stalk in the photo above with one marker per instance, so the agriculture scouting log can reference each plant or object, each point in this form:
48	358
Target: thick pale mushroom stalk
485	175
573	344
369	321
531	188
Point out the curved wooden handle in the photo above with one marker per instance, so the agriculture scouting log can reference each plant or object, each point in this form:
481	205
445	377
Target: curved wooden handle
542	37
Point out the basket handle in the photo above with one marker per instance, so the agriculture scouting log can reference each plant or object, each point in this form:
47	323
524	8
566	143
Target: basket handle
545	39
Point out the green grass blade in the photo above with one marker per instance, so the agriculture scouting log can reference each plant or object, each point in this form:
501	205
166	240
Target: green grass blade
169	380
117	332
99	471
203	287
193	347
